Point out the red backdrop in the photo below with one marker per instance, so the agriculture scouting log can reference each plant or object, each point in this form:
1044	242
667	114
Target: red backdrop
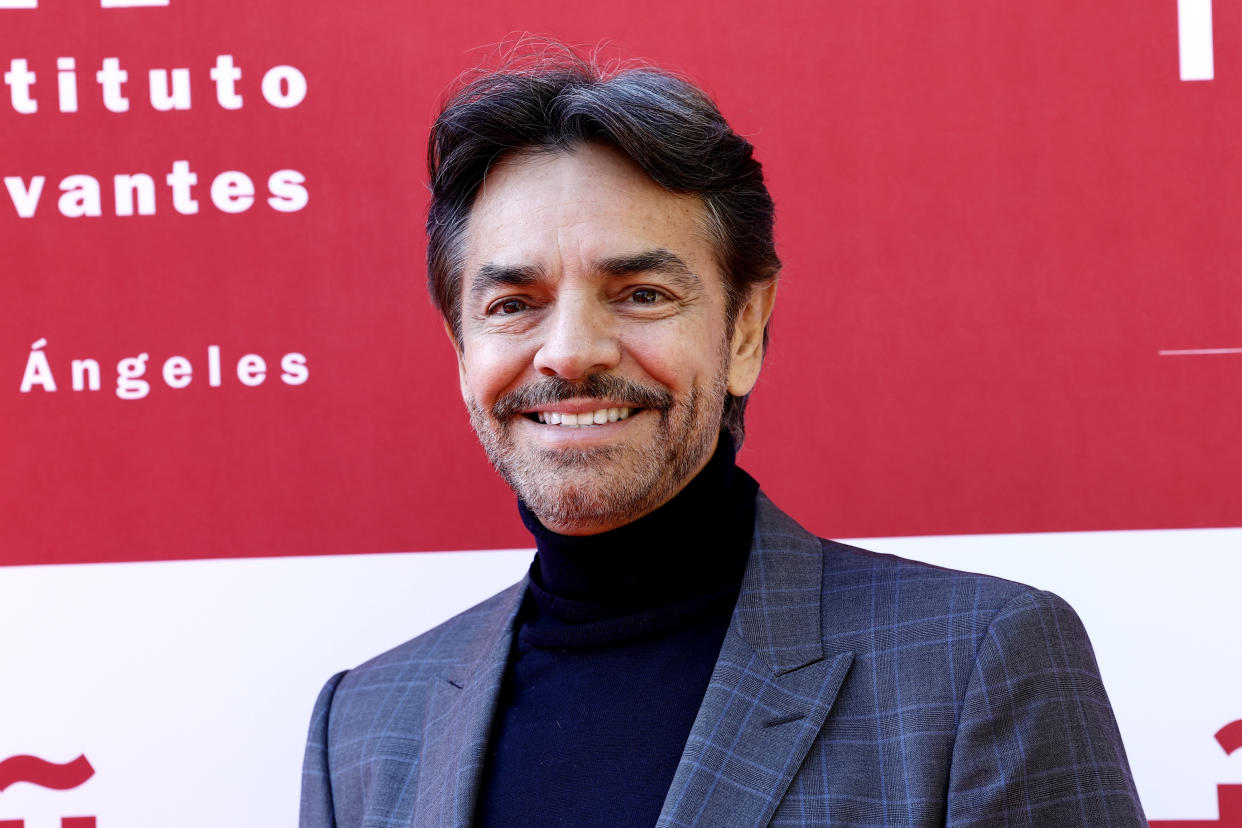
992	220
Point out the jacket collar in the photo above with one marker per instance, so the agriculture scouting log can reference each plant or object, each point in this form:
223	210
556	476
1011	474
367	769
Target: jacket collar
771	688
769	694
458	720
778	610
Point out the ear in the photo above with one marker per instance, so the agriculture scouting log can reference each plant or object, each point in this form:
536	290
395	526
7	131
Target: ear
461	363
746	350
452	337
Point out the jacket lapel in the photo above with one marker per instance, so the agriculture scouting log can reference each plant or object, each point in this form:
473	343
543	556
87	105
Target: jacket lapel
771	688
459	718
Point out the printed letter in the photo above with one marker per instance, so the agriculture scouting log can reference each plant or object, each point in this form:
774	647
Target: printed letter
24	198
284	87
288	194
251	370
67	84
80	198
128	384
232	192
20	79
85	374
179	98
213	366
294	367
177	372
181	180
110	77
38	372
126	187
225	74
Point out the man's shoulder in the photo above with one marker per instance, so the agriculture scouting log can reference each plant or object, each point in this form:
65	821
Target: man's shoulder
368	722
851	568
437	650
864	591
893	578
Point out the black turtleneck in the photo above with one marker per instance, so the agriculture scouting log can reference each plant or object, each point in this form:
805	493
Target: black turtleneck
613	650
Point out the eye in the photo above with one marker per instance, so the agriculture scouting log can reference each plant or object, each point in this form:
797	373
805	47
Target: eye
646	296
508	306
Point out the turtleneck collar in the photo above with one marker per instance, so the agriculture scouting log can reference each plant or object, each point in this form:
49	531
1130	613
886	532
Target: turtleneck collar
694	545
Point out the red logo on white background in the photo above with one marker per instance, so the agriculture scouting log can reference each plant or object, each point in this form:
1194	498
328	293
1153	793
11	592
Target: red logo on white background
1228	797
45	774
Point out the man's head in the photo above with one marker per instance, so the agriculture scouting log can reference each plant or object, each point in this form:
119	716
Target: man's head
598	241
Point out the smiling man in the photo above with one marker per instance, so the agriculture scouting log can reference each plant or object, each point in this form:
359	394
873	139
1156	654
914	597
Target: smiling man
681	652
593	341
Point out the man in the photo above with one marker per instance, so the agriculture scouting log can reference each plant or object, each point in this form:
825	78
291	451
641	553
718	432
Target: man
681	652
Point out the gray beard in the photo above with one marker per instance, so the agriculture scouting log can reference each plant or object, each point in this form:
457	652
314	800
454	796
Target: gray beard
608	485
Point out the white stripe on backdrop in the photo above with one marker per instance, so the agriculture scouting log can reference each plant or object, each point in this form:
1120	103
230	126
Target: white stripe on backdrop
188	684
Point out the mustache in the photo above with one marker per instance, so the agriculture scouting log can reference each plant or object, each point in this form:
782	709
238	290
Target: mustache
594	386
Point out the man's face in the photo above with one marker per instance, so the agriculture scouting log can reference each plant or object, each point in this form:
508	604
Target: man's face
594	355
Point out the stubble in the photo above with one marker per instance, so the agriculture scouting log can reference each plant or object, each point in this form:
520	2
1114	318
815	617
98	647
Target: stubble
604	486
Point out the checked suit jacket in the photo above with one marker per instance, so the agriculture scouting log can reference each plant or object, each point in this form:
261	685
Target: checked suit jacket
852	689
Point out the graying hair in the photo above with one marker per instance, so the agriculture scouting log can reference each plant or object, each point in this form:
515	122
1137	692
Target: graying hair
553	98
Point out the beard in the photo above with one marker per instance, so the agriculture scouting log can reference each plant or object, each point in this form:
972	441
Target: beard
584	490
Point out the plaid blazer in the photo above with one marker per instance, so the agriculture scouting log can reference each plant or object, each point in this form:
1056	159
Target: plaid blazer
852	689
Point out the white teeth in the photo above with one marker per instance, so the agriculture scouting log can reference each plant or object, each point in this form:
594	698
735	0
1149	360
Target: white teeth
586	418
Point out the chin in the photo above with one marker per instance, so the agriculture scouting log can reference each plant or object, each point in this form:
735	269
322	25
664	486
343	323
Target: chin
586	489
581	500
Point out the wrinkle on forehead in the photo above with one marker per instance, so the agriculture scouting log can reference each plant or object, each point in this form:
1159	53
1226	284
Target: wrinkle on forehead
678	274
530	190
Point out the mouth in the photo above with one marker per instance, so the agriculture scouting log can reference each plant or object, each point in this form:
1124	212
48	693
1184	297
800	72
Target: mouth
582	419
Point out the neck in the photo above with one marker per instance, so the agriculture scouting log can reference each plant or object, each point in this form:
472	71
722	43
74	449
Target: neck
695	543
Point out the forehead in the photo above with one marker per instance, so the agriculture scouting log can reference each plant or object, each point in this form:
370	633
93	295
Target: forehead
564	209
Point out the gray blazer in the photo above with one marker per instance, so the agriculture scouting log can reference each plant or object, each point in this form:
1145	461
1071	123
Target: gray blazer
852	689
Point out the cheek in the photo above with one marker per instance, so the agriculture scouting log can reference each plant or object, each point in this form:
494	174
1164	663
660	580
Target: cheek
491	369
677	360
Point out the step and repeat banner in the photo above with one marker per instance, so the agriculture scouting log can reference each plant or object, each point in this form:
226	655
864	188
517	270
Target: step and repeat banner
235	460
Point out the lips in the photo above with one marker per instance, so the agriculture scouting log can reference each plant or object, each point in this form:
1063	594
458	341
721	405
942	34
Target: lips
599	416
584	399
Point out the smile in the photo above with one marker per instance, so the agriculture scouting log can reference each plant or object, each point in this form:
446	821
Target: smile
600	416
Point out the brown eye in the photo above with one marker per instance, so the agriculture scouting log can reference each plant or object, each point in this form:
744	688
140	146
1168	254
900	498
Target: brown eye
510	306
645	296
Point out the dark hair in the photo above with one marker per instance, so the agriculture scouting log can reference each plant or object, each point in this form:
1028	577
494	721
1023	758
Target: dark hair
553	98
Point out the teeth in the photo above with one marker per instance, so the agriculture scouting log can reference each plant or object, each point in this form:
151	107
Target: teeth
586	418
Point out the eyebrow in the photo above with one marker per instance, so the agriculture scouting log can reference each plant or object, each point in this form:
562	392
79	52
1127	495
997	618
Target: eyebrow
664	262
491	276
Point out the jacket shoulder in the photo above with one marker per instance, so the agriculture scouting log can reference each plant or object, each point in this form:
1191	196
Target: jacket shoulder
883	604
961	683
367	729
440	647
920	587
863	592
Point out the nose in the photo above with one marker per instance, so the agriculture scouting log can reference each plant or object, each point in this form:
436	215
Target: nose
579	338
